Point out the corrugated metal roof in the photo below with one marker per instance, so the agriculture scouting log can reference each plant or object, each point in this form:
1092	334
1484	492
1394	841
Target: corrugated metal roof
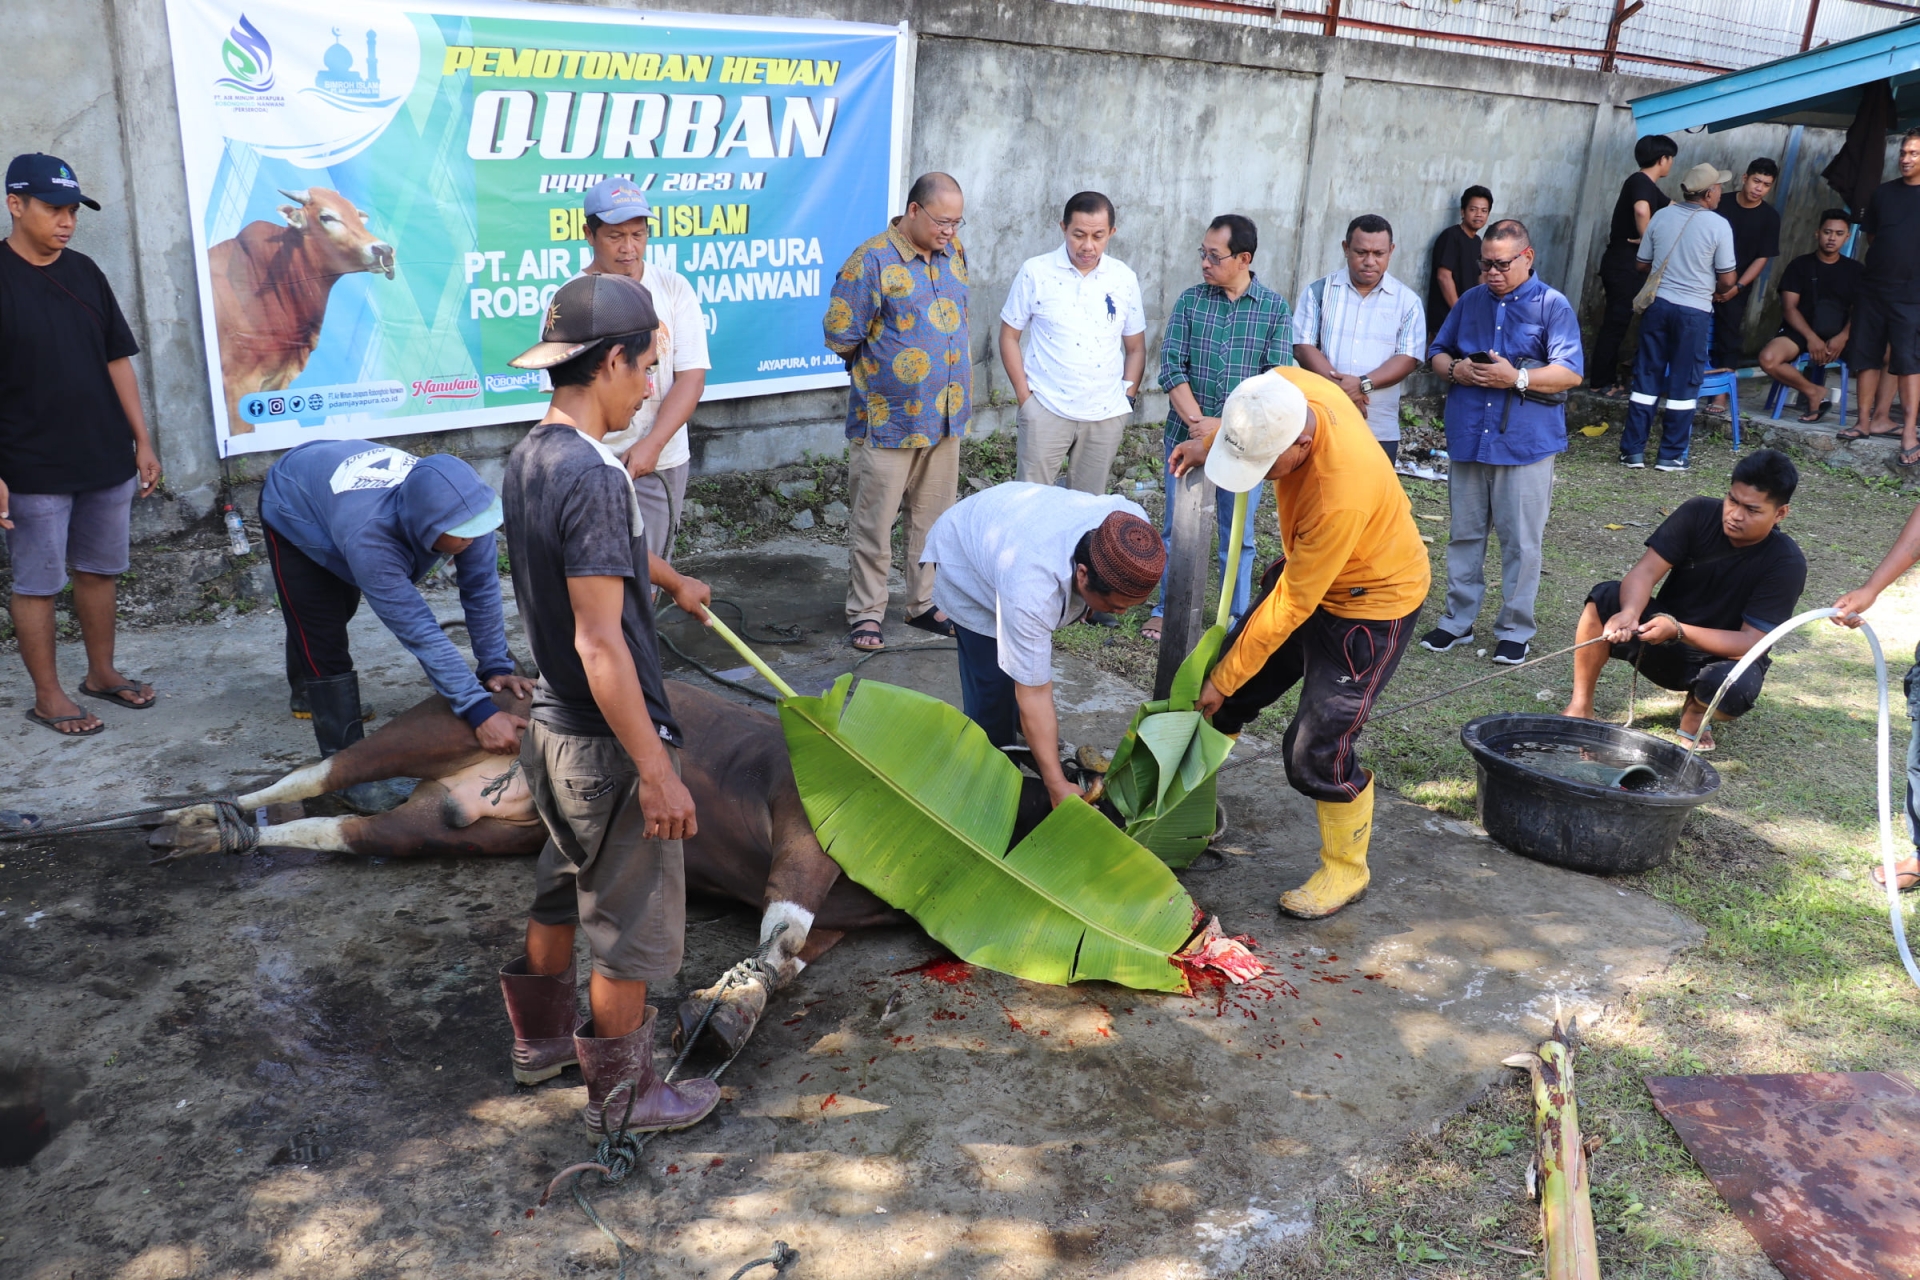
1820	87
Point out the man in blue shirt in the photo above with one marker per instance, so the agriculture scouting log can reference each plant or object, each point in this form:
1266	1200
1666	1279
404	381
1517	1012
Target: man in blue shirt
347	518
1511	350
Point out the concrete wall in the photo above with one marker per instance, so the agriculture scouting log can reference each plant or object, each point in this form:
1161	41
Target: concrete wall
1025	101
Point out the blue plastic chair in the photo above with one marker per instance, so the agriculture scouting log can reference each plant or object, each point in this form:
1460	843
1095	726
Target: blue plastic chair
1777	400
1724	382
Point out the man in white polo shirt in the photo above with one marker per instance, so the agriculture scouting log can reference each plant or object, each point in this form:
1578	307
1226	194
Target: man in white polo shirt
654	445
1086	349
1363	329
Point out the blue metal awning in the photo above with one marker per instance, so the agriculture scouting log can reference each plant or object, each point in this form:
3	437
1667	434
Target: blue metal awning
1819	87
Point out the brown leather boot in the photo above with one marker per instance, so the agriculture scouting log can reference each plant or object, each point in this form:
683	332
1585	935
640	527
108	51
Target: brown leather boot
656	1104
543	1014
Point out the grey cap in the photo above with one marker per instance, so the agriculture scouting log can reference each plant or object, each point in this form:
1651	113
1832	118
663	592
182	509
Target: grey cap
587	309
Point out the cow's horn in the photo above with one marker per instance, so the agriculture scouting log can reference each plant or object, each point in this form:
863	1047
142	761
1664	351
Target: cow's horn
298	197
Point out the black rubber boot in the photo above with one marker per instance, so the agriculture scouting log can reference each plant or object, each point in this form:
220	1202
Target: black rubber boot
335	702
300	709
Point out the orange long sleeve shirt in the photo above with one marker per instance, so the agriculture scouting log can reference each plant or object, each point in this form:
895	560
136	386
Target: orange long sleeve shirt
1347	531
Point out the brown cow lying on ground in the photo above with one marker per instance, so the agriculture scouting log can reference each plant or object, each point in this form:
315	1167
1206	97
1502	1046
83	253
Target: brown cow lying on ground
270	289
754	845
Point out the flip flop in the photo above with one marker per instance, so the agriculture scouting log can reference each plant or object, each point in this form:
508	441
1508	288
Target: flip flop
1817	415
1151	630
1910	457
1852	434
113	695
935	626
861	630
52	724
1702	742
1907	879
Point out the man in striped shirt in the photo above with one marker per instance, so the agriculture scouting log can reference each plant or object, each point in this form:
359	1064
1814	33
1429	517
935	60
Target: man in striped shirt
1363	329
1222	331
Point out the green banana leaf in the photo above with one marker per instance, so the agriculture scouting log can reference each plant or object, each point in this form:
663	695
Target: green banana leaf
1163	775
914	803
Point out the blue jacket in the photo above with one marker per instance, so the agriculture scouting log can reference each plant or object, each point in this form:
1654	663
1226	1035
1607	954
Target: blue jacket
1534	323
370	515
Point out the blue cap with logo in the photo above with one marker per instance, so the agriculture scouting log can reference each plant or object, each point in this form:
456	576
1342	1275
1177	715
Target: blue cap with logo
617	200
46	179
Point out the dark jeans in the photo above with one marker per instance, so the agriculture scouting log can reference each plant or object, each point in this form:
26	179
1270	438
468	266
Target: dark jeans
1345	663
1669	365
1393	450
986	692
1729	319
316	605
1621	282
1681	667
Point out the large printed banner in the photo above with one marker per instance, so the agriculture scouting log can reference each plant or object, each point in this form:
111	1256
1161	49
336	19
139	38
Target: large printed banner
385	198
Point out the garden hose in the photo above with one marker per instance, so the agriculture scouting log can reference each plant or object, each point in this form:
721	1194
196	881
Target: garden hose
1753	655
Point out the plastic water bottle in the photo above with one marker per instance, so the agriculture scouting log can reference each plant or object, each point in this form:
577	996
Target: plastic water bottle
236	533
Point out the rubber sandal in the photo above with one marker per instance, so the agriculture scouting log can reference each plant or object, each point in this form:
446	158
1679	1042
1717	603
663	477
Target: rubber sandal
1818	415
1702	742
862	629
1152	630
1910	457
113	695
935	626
1852	434
1908	879
52	724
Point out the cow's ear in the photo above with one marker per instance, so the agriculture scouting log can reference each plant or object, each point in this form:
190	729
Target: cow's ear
364	215
296	216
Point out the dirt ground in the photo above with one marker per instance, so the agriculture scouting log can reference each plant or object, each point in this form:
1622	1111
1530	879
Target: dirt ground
294	1065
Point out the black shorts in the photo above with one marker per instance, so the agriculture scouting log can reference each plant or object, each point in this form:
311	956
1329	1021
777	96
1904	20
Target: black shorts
1681	667
1885	333
1800	343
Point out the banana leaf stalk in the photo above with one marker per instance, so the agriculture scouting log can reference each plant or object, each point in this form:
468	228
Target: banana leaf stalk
912	801
1163	775
1559	1172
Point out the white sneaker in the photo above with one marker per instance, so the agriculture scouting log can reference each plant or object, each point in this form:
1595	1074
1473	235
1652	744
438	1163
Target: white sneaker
1633	464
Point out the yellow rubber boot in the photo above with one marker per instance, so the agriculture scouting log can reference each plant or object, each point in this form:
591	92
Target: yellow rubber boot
1345	832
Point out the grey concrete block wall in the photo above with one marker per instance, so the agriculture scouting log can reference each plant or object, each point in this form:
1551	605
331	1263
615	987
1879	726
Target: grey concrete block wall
1026	101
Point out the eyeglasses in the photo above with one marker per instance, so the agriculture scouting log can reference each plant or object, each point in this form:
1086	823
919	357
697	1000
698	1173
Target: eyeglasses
1217	259
1501	265
948	224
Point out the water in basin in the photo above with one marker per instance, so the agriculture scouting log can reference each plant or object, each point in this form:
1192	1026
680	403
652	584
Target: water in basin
1586	763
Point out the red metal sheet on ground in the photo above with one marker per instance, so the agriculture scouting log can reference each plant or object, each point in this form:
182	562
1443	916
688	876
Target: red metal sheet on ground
1822	1168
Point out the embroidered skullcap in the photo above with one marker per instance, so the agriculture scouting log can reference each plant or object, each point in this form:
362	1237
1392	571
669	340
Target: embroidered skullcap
1127	554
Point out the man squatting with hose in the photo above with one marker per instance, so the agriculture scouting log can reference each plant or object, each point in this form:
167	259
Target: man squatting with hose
1731	575
1902	556
1336	612
346	518
602	754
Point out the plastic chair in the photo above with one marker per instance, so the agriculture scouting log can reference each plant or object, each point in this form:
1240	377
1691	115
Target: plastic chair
1777	398
1724	382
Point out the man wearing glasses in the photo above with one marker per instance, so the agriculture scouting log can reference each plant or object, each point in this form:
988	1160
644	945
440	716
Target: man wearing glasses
1222	331
899	320
1511	350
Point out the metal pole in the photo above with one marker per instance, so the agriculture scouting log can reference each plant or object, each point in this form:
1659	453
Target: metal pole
1332	26
1806	37
1192	521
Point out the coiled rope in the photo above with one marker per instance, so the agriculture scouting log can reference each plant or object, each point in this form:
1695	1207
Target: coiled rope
237	835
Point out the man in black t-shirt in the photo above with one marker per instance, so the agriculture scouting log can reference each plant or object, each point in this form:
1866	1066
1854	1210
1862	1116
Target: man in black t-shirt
601	754
1817	293
1731	576
1456	257
1640	198
1886	320
73	442
1756	241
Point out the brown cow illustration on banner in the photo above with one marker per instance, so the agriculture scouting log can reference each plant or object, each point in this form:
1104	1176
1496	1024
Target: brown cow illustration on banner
270	288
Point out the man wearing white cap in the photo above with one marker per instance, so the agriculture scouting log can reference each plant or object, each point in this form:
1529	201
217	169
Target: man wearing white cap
654	445
1335	613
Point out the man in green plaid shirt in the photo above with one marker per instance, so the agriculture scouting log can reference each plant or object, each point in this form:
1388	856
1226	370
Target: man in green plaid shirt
1222	332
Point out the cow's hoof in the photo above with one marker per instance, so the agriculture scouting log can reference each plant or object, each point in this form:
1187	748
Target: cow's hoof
743	993
181	841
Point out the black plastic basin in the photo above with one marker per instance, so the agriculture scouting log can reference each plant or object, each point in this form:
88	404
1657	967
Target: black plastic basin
1576	824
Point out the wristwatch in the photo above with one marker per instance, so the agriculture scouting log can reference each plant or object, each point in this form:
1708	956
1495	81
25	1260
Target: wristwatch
1520	380
1366	385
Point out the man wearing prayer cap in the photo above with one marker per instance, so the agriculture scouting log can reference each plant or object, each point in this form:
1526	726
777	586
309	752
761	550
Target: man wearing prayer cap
1014	564
1335	613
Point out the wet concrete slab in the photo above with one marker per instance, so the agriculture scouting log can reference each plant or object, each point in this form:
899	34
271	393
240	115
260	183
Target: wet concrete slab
294	1064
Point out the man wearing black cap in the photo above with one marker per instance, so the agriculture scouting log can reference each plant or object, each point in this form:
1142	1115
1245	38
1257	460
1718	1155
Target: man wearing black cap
601	756
73	441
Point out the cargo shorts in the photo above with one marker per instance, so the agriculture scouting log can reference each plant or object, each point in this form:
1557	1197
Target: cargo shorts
598	870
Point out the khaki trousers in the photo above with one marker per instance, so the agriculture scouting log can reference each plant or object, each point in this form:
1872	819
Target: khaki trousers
1088	448
882	482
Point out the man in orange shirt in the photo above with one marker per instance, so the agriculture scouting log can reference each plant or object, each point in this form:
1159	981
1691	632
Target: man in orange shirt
1336	612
